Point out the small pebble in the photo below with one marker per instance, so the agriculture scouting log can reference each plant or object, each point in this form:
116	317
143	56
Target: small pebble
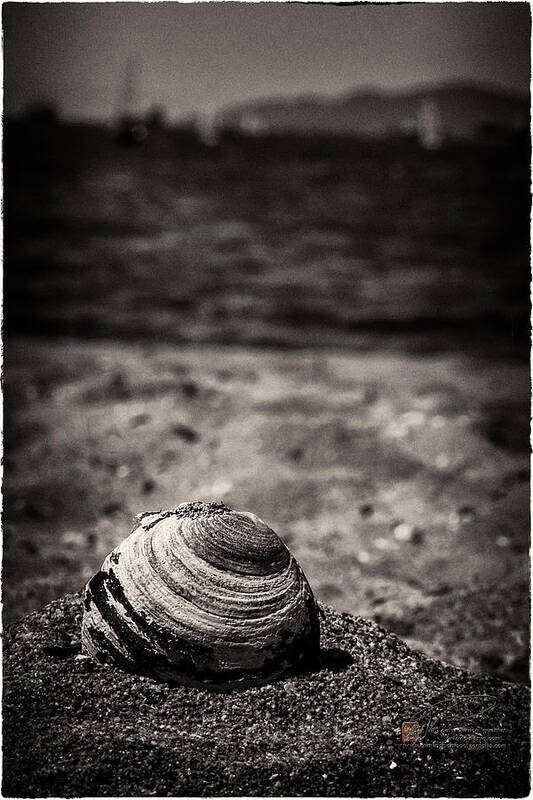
393	765
414	418
404	532
73	539
418	536
397	430
384	544
466	513
189	389
138	420
503	541
454	520
475	473
185	433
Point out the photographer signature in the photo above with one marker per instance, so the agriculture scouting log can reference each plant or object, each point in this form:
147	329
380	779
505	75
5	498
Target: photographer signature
463	708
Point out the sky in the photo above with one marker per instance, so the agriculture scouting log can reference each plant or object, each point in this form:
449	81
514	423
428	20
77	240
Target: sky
200	56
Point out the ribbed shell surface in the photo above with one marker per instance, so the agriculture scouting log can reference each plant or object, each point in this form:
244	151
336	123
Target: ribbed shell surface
204	596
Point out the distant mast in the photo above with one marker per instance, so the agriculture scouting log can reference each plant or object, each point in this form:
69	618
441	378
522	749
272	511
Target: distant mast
133	86
429	125
130	128
207	125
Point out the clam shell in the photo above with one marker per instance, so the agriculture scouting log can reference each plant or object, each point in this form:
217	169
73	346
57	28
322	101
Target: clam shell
204	596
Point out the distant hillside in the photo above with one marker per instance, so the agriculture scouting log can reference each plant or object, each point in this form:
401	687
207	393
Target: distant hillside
458	111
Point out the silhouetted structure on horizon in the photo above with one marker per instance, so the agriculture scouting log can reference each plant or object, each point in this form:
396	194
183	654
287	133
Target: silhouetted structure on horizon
131	128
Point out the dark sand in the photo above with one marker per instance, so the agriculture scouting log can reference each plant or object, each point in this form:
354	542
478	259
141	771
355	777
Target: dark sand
73	727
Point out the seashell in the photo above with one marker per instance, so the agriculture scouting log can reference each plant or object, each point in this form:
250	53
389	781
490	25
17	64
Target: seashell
204	596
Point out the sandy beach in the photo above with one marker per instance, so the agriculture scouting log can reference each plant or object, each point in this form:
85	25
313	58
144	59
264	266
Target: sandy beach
400	483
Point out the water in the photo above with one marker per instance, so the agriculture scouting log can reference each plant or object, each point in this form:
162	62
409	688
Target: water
267	242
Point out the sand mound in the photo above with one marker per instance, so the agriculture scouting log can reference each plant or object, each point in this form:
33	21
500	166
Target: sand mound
73	727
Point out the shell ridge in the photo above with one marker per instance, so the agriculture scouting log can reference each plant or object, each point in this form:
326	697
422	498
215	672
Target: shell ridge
215	538
202	613
271	590
243	580
152	636
215	569
192	612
